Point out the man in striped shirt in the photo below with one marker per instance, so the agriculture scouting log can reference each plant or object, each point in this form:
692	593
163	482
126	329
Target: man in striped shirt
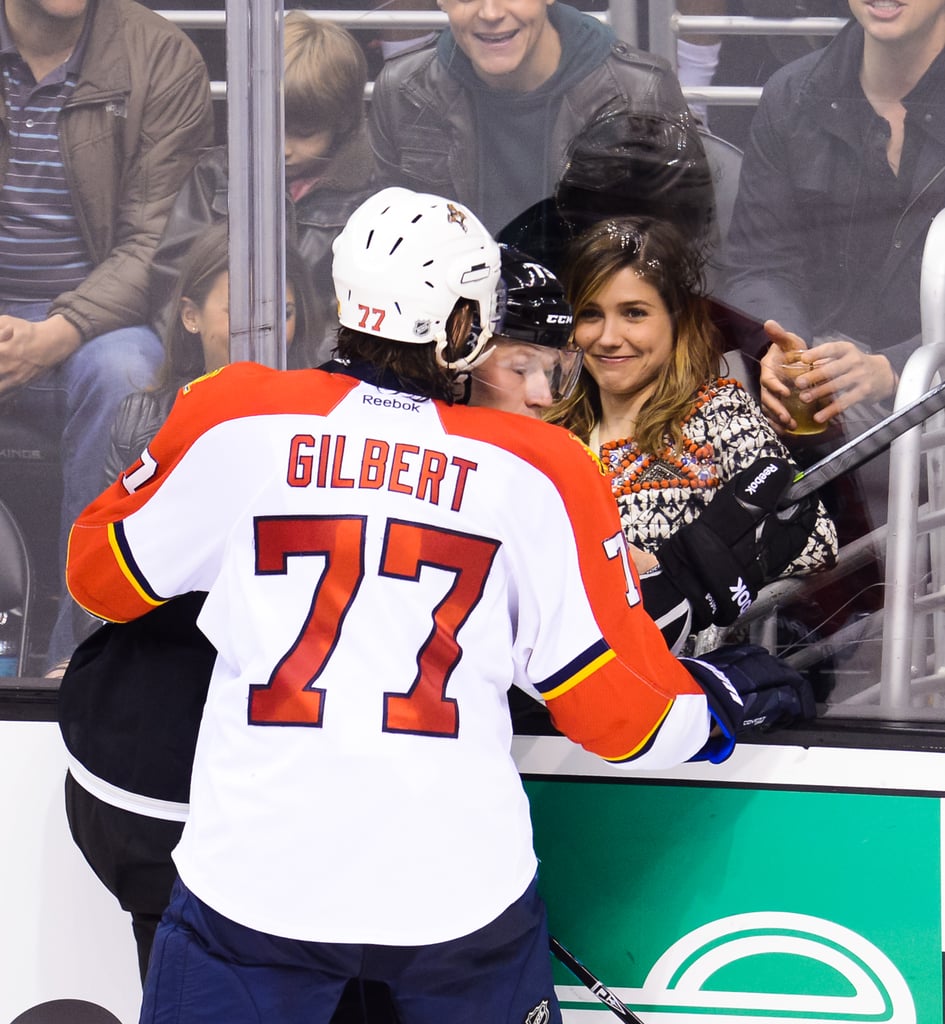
105	108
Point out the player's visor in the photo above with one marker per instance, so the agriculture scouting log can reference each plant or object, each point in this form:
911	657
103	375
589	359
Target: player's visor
570	361
560	367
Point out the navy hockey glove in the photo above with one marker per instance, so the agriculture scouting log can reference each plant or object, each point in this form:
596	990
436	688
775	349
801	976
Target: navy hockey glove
748	689
740	540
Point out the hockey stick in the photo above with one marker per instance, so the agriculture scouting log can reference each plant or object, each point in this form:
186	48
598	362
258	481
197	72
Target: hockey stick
601	991
864	446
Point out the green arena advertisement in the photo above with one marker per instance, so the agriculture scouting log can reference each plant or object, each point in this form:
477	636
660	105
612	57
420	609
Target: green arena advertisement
741	904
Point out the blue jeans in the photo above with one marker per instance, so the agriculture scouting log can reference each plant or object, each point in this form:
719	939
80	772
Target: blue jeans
207	969
78	400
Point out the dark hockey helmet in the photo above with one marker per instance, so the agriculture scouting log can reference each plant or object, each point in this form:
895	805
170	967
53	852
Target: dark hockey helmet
627	162
532	305
533	311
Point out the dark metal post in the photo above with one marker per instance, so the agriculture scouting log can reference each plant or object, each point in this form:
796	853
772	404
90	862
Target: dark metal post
256	155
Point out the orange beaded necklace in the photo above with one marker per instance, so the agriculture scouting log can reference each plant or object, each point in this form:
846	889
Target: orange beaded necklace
688	466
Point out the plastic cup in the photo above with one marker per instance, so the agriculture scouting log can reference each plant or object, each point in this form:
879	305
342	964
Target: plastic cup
801	412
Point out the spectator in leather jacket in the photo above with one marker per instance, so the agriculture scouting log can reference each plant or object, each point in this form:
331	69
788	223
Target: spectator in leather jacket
487	111
328	160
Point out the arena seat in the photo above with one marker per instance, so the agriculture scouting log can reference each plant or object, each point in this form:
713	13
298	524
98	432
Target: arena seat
30	496
15	584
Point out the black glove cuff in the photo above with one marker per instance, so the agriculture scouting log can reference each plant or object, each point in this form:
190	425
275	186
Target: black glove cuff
703	567
667	607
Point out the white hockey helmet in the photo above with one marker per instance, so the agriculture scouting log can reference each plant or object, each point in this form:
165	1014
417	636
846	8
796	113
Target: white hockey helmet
402	262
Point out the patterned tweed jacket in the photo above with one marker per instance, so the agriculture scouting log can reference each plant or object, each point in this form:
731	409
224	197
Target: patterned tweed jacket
723	433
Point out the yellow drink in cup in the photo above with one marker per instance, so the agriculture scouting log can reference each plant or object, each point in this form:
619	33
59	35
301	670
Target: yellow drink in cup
801	412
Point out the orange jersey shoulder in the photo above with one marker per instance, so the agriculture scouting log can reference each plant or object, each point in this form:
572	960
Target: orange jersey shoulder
632	667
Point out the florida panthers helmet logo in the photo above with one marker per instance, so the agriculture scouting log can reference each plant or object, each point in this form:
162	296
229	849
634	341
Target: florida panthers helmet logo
456	216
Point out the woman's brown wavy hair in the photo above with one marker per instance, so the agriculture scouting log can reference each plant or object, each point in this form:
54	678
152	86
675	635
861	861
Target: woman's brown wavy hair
659	254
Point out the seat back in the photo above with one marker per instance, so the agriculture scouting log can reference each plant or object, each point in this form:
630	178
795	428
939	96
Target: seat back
725	163
31	496
15	583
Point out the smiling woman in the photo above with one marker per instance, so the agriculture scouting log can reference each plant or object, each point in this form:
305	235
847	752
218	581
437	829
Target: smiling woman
627	335
650	401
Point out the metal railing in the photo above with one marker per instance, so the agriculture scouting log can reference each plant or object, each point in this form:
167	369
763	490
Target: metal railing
665	29
913	659
911	624
622	16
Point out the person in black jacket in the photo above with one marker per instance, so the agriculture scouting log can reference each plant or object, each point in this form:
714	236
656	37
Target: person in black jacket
843	174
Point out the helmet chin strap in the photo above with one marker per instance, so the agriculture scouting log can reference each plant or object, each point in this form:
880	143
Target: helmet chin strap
464	363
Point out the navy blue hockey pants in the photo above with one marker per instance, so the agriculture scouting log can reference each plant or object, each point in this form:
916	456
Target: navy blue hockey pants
206	969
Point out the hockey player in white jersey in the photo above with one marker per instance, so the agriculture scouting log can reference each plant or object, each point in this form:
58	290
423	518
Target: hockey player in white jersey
382	565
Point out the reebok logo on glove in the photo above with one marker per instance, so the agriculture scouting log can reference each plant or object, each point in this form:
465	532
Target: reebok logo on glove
721	560
741	595
772	467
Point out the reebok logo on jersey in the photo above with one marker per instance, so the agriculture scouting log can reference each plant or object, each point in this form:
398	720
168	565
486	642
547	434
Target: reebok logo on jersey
741	595
539	1015
391	403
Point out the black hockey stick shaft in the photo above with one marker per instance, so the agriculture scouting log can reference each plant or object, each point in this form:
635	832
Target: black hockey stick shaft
594	984
864	446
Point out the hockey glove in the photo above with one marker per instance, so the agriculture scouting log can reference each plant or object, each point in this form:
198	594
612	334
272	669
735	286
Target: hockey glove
748	689
667	606
740	540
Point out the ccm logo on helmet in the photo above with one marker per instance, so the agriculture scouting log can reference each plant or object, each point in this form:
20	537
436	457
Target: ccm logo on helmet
558	318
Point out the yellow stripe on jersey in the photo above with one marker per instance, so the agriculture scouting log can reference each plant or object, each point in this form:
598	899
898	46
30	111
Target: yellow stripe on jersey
126	570
578	677
647	740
